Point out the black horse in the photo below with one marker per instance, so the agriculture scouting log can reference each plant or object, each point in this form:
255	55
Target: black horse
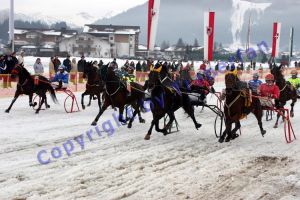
287	92
166	100
94	85
29	85
116	95
237	105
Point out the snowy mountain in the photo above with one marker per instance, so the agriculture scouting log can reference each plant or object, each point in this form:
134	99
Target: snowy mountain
74	21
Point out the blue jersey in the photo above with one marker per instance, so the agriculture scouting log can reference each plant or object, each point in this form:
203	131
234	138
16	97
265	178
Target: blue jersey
64	77
254	84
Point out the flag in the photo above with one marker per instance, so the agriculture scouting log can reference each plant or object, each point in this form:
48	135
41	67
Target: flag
209	20
153	13
239	55
263	47
276	39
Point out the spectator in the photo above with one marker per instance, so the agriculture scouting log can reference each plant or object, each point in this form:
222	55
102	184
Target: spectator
81	66
67	64
73	71
100	64
2	65
132	65
56	63
61	79
51	68
21	58
138	66
144	66
11	61
38	67
114	64
296	64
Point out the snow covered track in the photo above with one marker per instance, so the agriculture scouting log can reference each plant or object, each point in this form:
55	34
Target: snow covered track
189	164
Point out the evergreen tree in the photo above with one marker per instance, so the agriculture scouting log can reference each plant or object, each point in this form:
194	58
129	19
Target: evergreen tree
180	43
196	43
164	45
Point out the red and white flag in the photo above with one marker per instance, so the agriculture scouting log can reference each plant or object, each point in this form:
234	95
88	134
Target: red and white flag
209	29
276	39
153	13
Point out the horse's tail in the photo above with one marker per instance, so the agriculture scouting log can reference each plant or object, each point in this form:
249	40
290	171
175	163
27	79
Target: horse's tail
52	93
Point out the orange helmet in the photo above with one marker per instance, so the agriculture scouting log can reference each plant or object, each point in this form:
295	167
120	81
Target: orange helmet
269	77
294	72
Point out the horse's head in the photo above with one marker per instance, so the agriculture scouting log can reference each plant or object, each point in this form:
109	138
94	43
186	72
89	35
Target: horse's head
154	79
277	72
230	80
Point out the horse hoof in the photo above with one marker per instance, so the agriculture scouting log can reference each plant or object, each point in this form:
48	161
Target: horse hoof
198	126
89	105
94	123
142	121
7	111
227	139
129	126
37	112
221	140
292	114
123	122
83	107
165	132
147	137
263	132
48	106
275	126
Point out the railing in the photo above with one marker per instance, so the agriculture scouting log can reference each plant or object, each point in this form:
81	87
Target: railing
77	82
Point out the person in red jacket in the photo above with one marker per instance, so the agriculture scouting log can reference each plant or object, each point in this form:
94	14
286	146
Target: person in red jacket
269	90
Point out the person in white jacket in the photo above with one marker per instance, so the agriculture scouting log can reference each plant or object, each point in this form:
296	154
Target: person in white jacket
38	67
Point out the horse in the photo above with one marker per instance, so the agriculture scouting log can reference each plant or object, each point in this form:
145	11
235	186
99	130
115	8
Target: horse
165	100
116	95
94	85
287	92
235	107
29	85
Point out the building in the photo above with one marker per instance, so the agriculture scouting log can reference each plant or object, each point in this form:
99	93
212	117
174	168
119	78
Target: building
41	42
91	45
123	40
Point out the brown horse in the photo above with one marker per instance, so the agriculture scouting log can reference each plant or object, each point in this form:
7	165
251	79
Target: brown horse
237	105
29	85
165	101
287	92
94	85
116	95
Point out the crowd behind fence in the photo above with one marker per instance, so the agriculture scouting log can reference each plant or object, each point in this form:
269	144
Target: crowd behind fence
77	83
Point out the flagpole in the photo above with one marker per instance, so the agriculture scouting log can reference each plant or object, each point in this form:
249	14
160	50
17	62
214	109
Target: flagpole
11	26
291	44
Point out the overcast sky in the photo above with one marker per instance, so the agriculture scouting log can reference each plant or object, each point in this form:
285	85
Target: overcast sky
60	8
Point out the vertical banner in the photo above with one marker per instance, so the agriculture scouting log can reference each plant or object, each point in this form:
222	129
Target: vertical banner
153	14
209	29
291	41
276	39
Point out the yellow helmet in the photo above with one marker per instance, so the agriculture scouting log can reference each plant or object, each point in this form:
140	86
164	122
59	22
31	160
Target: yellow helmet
294	72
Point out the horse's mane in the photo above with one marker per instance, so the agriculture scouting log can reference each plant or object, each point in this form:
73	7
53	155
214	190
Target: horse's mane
25	71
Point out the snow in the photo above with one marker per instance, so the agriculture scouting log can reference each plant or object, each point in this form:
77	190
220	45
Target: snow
189	164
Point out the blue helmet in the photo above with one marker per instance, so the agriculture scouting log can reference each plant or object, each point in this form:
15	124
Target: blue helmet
232	67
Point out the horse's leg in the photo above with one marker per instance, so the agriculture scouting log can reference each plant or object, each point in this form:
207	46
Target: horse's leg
39	108
147	136
30	100
82	100
236	128
226	131
89	104
276	123
13	101
258	114
229	135
99	101
190	111
103	108
121	119
292	107
136	111
46	102
169	124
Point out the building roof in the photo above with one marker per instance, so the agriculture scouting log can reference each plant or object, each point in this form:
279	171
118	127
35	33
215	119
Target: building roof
115	29
56	32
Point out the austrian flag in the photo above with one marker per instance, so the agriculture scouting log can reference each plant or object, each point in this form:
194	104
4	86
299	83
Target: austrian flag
276	39
209	29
